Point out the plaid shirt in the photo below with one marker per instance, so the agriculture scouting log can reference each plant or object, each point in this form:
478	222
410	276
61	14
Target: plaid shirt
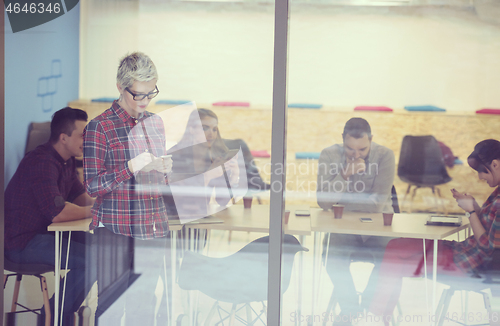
110	141
471	254
38	192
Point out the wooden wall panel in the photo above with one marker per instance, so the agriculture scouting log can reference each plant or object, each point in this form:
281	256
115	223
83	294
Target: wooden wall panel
312	130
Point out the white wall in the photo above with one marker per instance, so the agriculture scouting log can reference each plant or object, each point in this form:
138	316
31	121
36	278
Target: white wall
340	56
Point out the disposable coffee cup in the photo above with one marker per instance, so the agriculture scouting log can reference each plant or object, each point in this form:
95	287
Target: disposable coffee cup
387	218
338	210
247	202
287	216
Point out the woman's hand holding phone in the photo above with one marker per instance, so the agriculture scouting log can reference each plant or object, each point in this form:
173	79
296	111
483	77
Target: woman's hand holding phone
465	201
146	162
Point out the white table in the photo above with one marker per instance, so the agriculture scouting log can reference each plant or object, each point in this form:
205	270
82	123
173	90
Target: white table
59	228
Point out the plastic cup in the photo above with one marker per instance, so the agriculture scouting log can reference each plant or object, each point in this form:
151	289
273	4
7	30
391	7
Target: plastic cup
287	216
338	210
387	218
247	202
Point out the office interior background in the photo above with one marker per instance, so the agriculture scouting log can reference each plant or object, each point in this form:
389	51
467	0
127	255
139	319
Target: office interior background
342	54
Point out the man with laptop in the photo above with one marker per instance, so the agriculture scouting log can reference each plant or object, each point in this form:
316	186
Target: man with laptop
359	175
46	189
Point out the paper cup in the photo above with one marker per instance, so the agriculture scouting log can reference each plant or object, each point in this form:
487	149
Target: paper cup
338	210
247	202
387	218
287	216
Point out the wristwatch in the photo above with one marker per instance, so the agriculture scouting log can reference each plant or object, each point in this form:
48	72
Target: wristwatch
468	214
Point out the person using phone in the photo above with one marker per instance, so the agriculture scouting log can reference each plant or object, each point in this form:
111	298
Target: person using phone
359	175
402	256
122	151
122	147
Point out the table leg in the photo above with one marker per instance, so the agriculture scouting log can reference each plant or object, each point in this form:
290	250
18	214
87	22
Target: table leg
320	261
301	262
434	275
66	268
173	258
191	240
317	240
426	282
209	236
57	275
314	274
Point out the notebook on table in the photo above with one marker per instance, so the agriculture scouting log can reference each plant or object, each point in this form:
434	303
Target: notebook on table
444	220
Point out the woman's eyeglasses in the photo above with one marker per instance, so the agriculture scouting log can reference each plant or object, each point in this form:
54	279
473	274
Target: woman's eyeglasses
140	97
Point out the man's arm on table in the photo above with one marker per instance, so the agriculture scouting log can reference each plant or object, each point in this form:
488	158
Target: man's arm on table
79	208
376	198
332	186
72	212
84	200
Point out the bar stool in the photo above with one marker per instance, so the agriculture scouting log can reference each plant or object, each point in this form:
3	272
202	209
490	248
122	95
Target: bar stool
33	270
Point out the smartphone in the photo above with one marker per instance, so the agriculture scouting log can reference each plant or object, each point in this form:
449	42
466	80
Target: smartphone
304	212
365	219
166	156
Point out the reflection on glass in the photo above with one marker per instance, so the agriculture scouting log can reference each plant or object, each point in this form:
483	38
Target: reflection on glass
375	63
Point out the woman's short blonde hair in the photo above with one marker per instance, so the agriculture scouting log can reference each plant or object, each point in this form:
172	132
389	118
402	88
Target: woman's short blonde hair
135	67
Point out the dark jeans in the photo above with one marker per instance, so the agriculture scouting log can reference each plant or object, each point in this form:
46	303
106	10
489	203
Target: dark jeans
343	248
40	250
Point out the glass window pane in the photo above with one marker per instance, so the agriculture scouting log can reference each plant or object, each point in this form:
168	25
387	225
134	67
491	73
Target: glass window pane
214	63
415	73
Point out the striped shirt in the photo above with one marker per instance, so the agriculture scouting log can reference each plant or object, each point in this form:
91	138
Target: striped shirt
471	254
123	203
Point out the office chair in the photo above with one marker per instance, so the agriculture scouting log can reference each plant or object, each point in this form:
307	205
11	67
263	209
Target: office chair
38	133
255	182
421	165
240	278
487	277
27	269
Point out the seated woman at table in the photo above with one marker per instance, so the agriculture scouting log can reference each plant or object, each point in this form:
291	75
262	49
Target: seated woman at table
197	167
403	257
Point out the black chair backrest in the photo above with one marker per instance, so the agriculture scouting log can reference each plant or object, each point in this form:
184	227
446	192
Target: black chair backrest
421	162
253	176
38	133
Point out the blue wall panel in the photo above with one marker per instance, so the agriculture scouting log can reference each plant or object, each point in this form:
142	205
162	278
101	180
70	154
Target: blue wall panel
41	77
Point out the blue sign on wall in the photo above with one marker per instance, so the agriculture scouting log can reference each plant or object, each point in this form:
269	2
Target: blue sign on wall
47	85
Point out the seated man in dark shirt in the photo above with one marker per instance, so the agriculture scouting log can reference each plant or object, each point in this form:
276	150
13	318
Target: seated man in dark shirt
46	189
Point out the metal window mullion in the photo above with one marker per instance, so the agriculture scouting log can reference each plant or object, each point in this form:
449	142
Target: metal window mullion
278	158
